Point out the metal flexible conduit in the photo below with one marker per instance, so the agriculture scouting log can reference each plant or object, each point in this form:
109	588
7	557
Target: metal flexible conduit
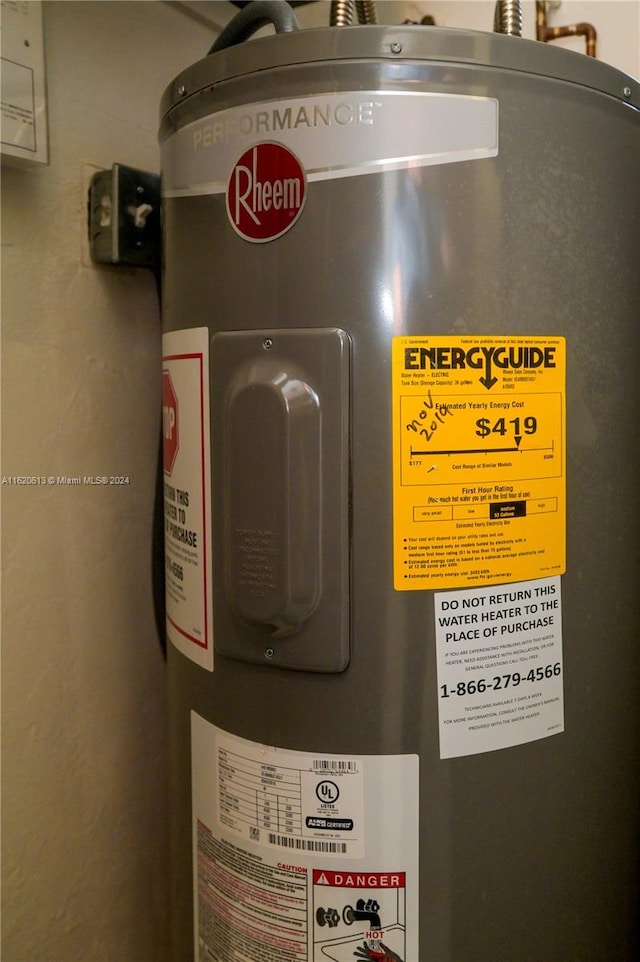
342	13
508	17
255	15
366	10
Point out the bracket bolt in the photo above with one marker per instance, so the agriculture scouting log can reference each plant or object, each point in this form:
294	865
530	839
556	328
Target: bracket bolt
182	90
269	653
267	345
627	91
396	46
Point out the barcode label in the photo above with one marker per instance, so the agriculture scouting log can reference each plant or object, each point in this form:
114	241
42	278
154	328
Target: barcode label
307	845
328	765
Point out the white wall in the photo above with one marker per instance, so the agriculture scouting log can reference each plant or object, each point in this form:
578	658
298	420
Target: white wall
617	23
84	774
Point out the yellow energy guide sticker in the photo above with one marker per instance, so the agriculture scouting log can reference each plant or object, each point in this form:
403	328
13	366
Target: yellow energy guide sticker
478	460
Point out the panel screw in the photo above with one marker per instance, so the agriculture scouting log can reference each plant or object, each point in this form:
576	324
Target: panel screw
182	90
269	653
267	343
396	47
627	91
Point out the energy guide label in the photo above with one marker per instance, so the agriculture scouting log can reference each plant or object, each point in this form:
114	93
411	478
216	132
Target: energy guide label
479	460
293	802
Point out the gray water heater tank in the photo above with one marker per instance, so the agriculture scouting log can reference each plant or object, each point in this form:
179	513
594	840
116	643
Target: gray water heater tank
400	397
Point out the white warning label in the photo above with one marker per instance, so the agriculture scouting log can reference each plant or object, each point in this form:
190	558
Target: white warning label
187	497
247	908
298	856
499	653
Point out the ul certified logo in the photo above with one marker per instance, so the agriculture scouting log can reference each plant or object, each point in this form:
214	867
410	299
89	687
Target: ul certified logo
327	792
266	192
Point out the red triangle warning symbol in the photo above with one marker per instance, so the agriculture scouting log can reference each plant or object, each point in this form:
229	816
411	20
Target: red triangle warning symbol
322	880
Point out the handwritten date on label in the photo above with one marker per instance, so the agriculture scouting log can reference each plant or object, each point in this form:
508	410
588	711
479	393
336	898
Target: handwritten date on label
430	417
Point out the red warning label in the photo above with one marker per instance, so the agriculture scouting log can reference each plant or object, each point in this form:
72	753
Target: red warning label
360	880
359	915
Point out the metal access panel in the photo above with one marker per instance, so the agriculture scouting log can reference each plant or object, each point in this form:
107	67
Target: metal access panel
408	258
280	407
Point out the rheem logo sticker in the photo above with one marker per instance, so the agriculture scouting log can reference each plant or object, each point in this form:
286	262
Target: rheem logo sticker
266	192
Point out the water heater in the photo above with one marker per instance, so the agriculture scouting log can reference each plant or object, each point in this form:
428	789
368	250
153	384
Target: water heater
400	406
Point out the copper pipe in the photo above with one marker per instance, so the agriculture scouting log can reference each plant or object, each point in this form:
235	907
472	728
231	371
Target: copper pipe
545	33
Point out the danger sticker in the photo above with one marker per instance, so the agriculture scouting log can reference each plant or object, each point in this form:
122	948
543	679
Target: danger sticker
479	460
360	915
376	880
